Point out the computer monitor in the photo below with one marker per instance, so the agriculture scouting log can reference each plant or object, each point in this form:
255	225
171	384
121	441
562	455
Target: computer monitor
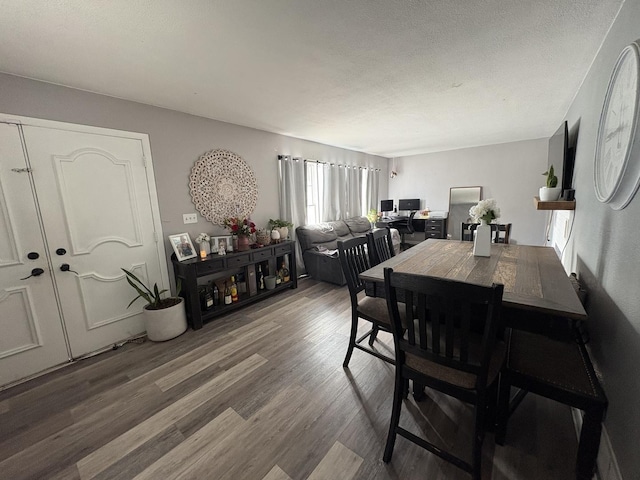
386	205
412	204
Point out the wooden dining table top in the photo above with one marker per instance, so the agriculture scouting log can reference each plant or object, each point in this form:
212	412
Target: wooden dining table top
533	277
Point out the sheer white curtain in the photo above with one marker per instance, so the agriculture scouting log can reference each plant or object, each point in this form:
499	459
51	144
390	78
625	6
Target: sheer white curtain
371	191
353	186
313	192
292	197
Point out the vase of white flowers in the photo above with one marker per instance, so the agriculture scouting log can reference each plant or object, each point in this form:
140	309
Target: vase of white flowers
484	212
205	247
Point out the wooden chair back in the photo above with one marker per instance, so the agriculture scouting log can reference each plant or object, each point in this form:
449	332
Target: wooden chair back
380	246
502	233
466	231
455	323
354	260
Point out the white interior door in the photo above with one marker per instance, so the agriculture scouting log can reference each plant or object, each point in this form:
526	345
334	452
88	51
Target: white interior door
31	332
97	199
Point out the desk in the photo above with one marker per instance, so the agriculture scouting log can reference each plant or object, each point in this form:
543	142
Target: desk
424	228
538	295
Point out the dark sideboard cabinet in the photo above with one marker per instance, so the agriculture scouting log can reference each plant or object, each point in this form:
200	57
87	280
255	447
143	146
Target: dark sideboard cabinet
424	228
197	273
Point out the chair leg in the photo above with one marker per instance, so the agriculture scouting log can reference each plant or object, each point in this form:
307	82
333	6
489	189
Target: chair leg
400	385
503	409
478	438
352	340
374	334
589	443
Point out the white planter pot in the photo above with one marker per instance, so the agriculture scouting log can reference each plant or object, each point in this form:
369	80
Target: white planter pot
284	232
166	323
550	194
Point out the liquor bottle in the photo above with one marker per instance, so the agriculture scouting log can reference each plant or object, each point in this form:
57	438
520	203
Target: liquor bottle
285	273
260	278
278	277
216	295
206	299
227	294
234	290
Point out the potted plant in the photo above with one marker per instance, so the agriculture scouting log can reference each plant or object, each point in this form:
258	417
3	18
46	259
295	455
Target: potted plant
164	318
282	226
550	192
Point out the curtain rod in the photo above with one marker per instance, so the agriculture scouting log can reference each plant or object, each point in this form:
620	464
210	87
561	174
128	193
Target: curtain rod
284	157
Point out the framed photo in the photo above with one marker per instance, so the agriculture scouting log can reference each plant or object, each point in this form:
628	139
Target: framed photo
183	247
224	243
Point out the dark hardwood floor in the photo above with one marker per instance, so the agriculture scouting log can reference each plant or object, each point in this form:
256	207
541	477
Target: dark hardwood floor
258	394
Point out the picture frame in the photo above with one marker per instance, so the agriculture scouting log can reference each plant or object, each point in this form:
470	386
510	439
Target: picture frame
182	246
226	241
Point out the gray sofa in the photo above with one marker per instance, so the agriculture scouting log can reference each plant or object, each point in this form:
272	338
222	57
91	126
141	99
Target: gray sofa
319	246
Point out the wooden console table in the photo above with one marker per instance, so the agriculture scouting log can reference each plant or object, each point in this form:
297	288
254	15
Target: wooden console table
218	268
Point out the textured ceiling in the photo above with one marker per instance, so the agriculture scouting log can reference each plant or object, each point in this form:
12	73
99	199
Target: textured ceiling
390	77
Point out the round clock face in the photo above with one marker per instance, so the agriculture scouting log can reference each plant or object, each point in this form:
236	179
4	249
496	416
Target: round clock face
616	170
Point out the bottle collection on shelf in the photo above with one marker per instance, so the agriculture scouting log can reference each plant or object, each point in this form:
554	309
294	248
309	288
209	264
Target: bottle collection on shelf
211	296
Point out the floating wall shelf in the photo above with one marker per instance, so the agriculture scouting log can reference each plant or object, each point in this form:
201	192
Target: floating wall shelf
557	205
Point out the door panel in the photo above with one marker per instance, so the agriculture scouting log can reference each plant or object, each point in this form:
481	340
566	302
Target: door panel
99	210
32	337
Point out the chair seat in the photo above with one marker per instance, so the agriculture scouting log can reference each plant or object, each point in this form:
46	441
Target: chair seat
563	364
375	309
456	377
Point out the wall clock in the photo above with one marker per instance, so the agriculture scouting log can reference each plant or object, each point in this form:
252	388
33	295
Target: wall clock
617	163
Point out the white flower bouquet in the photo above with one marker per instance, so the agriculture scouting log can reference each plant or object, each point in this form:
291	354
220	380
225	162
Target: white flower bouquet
203	237
486	210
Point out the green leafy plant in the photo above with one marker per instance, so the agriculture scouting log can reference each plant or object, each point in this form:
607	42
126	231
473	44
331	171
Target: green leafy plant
277	223
152	296
552	180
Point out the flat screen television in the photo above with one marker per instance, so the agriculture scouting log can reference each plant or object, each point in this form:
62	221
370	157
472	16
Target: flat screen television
561	156
412	204
386	205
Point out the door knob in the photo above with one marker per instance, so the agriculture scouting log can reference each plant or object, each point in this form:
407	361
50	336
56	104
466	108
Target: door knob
65	267
61	251
36	272
33	255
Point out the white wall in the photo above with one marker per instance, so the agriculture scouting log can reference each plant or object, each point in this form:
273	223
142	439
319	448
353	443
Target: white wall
509	172
604	249
177	141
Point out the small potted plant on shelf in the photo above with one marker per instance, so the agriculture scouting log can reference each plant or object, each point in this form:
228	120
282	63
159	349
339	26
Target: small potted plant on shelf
281	226
164	318
550	192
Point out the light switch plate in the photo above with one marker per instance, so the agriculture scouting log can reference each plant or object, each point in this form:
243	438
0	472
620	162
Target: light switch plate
190	218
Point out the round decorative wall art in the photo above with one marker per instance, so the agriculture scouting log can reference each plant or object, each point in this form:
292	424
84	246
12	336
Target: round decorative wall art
222	185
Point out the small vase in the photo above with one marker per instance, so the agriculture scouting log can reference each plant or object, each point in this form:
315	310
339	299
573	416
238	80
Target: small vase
275	235
243	243
482	240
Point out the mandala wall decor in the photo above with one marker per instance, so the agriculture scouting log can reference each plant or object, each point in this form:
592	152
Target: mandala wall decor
223	185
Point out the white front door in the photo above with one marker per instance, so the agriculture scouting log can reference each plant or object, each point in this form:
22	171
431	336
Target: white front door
98	209
31	331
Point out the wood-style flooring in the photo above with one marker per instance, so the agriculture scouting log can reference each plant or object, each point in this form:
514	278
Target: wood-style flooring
258	394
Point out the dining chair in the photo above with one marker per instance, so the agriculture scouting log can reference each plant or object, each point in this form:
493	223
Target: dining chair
502	233
380	246
451	346
466	231
354	260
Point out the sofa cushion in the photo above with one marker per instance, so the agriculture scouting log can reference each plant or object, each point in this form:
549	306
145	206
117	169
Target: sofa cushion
321	234
358	225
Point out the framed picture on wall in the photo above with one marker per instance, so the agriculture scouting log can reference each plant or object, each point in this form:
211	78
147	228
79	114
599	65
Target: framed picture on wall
182	246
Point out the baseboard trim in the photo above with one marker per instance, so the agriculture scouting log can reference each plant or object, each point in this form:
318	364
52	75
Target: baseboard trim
607	464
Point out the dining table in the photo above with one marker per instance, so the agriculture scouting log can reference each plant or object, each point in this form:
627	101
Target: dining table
538	294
